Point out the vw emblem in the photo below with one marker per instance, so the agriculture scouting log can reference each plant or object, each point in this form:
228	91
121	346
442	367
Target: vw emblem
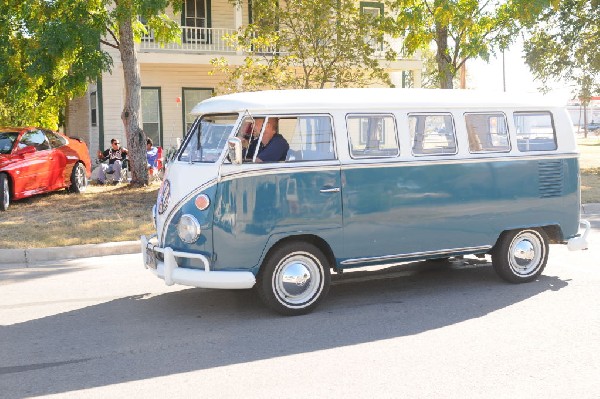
164	195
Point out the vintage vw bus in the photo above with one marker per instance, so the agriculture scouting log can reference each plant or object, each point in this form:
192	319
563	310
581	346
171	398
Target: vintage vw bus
372	177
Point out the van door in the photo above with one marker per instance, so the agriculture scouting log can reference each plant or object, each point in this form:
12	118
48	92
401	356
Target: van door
259	204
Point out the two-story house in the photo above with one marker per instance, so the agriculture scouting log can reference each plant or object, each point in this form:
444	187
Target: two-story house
175	76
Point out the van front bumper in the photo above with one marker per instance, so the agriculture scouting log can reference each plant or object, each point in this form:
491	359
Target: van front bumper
169	270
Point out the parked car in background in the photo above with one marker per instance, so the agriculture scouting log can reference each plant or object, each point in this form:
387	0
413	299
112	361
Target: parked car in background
594	126
35	160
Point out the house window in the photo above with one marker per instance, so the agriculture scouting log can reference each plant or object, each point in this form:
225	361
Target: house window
151	114
191	97
93	108
195	19
375	11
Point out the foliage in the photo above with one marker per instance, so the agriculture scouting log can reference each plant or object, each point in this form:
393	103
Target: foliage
50	51
564	45
460	29
48	57
306	44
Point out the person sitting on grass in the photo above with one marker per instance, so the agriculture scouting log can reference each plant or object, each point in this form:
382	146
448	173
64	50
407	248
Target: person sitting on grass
151	157
115	155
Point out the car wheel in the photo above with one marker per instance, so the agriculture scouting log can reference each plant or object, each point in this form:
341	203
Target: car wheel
520	255
4	192
78	179
294	278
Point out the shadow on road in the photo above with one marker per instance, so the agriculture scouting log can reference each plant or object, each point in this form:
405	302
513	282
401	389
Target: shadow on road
141	337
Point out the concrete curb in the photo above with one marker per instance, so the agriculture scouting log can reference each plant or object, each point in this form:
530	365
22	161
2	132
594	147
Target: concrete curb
36	255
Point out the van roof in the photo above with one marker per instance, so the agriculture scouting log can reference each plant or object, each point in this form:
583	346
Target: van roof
376	98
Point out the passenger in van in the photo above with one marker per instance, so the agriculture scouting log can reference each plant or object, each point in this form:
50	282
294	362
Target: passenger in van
273	146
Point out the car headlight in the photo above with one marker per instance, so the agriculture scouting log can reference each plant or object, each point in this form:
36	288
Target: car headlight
188	229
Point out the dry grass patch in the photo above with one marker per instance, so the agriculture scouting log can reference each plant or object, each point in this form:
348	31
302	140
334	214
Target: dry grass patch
590	185
101	214
589	162
589	152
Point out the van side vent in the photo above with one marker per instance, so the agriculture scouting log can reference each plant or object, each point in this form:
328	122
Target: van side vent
551	178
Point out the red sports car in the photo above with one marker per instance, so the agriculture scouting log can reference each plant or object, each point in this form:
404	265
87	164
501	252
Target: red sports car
34	161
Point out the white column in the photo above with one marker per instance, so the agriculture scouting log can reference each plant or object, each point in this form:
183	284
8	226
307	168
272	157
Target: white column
238	18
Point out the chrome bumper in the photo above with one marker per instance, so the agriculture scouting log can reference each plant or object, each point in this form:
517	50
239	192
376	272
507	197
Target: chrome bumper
580	242
170	271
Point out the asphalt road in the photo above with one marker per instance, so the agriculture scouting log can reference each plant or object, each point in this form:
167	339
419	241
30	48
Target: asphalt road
105	327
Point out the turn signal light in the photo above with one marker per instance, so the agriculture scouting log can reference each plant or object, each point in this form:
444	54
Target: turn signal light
202	202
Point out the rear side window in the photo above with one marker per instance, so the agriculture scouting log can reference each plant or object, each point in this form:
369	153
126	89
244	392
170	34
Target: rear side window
535	131
372	136
55	140
432	134
488	132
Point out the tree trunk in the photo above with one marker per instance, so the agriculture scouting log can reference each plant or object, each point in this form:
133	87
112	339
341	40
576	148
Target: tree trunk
585	120
445	73
136	139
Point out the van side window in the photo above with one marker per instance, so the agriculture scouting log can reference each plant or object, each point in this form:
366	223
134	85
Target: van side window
488	132
432	134
535	131
310	137
372	136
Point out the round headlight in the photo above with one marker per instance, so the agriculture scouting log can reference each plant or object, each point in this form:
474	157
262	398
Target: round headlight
188	229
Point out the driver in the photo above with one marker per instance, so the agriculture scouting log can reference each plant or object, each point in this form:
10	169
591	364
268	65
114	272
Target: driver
273	146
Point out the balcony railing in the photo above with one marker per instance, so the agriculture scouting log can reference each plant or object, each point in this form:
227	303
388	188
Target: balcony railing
193	40
211	40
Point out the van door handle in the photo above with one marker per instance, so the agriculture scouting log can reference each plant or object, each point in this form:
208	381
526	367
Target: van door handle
330	190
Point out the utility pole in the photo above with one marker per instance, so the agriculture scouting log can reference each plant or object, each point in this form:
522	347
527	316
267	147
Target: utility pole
463	75
503	72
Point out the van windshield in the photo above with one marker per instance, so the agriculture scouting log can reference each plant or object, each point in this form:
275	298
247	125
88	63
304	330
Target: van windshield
207	138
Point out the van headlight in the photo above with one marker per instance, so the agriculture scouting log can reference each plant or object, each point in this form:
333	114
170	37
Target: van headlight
188	229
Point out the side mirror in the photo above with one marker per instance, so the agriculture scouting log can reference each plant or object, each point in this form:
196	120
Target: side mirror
26	150
234	149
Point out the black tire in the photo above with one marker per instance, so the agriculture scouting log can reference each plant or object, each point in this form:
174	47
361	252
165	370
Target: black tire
4	192
78	179
520	256
294	278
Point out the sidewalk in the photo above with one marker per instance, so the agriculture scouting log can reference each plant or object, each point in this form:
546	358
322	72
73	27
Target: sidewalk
34	255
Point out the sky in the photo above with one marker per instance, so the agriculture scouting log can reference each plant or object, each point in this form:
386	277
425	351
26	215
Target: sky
488	76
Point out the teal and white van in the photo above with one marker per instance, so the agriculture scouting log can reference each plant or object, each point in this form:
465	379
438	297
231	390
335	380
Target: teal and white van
372	177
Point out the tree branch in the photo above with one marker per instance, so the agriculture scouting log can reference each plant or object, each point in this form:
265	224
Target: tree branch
112	34
109	44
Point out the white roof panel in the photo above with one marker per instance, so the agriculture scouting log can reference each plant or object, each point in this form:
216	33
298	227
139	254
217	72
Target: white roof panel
376	98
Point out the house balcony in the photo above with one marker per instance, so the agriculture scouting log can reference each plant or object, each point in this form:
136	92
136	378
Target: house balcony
193	40
208	43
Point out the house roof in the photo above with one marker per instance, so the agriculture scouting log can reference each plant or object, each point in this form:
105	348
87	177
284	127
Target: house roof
376	98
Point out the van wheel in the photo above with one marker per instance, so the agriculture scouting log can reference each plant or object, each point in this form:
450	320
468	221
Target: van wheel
294	278
78	179
520	255
4	192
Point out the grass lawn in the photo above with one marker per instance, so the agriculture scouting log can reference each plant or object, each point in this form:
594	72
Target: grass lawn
121	213
101	214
